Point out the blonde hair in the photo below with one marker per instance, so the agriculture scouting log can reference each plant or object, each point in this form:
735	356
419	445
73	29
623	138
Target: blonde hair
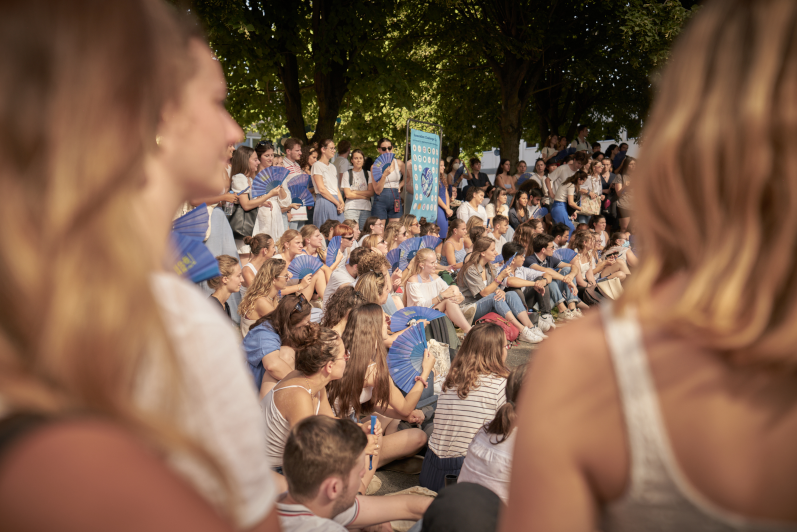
227	265
371	285
66	193
728	93
286	237
371	241
261	286
414	267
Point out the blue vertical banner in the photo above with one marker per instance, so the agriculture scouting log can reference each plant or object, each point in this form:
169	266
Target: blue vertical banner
425	169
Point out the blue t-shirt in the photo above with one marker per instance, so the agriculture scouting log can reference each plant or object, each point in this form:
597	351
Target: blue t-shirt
260	341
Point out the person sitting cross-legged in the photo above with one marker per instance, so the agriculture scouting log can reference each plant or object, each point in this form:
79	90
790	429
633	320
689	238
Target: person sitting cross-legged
323	462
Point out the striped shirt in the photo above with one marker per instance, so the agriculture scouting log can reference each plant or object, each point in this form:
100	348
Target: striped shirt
456	421
298	518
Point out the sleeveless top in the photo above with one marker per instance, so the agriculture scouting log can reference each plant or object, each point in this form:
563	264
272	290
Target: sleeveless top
277	427
658	497
459	255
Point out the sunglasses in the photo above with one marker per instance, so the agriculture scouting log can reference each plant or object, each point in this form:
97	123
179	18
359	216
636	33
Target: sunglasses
265	143
346	237
299	306
389	148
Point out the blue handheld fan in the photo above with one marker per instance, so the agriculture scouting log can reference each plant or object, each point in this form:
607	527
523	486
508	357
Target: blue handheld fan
332	249
522	179
268	179
193	223
300	194
459	172
431	241
405	357
540	213
507	263
299	180
303	265
564	254
498	258
408	249
380	164
427	180
393	257
401	318
192	259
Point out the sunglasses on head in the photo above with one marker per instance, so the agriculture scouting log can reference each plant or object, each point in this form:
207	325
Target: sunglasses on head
389	148
300	305
264	143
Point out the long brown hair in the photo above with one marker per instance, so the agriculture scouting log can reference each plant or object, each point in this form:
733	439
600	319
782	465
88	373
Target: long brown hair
727	94
501	425
261	286
481	245
315	348
286	237
524	235
285	319
481	354
371	285
240	161
78	125
363	339
338	306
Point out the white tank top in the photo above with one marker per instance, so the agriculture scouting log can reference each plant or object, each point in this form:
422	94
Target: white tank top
658	497
393	178
277	427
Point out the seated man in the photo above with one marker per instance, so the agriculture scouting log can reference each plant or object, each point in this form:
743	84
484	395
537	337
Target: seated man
532	285
323	463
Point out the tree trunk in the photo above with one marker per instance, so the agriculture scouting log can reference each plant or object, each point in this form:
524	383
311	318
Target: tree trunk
289	75
517	77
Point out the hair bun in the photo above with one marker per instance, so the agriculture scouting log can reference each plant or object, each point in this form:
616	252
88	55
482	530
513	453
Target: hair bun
306	335
249	240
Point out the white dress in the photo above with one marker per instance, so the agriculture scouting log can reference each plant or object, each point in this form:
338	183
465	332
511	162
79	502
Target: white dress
420	294
269	220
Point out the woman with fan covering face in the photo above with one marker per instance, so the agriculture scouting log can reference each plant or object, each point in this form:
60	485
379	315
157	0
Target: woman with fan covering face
425	289
387	201
313	242
290	246
366	387
329	200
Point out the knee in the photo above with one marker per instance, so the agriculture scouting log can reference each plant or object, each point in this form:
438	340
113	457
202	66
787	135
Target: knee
418	439
620	275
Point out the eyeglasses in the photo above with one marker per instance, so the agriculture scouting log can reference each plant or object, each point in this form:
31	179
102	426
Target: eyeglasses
346	356
389	148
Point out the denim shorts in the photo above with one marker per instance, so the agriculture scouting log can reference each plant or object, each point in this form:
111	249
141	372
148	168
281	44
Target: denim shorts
383	204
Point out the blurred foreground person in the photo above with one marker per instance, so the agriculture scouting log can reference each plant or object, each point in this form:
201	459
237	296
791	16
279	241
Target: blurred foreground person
114	413
676	408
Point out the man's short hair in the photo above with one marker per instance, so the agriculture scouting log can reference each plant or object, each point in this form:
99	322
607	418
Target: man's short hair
327	226
320	447
372	262
581	127
498	218
537	193
623	144
474	160
343	147
356	255
596	145
581	157
541	242
559	230
512	248
291	143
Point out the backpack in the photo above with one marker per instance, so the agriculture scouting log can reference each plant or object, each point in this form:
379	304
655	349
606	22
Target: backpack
510	330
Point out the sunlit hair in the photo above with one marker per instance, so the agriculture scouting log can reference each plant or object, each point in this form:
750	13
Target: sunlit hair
371	241
579	239
414	267
258	243
342	230
285	239
363	339
307	232
372	286
261	286
81	99
339	304
285	319
227	266
476	232
479	246
373	261
474	221
391	235
504	420
315	347
481	354
407	220
524	235
728	94
240	161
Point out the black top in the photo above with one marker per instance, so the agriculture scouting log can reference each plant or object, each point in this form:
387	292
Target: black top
480	180
225	306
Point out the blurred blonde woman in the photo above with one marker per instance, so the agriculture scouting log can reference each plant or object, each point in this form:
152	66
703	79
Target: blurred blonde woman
394	235
682	401
125	404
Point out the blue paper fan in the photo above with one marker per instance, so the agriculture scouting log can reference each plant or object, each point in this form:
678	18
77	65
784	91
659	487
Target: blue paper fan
332	249
427	179
394	257
498	258
380	164
401	318
459	172
193	223
300	194
268	179
430	241
408	250
192	259
507	263
303	265
564	254
405	357
522	179
540	214
299	180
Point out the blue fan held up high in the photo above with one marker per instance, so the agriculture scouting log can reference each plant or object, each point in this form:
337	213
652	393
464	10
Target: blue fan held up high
394	257
427	180
193	223
564	254
192	260
300	194
405	357
303	265
459	172
409	248
522	179
540	213
402	318
507	263
332	249
267	180
380	165
430	241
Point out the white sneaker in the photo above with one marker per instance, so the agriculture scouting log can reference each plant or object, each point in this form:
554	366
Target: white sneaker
528	335
567	315
538	332
546	323
578	313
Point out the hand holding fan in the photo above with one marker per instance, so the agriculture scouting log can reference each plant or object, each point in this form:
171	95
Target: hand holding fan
304	265
267	180
393	257
192	260
380	165
300	194
405	357
507	263
332	250
459	172
193	223
539	214
401	318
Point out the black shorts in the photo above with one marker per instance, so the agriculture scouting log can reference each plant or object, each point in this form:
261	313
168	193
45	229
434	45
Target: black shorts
624	213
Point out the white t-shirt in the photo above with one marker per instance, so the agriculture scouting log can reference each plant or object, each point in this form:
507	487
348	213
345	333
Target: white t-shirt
299	518
342	164
218	405
338	278
559	175
489	463
564	191
456	421
465	211
421	294
359	184
330	177
499	242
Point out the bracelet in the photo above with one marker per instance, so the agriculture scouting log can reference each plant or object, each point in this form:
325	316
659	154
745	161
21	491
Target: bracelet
422	381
